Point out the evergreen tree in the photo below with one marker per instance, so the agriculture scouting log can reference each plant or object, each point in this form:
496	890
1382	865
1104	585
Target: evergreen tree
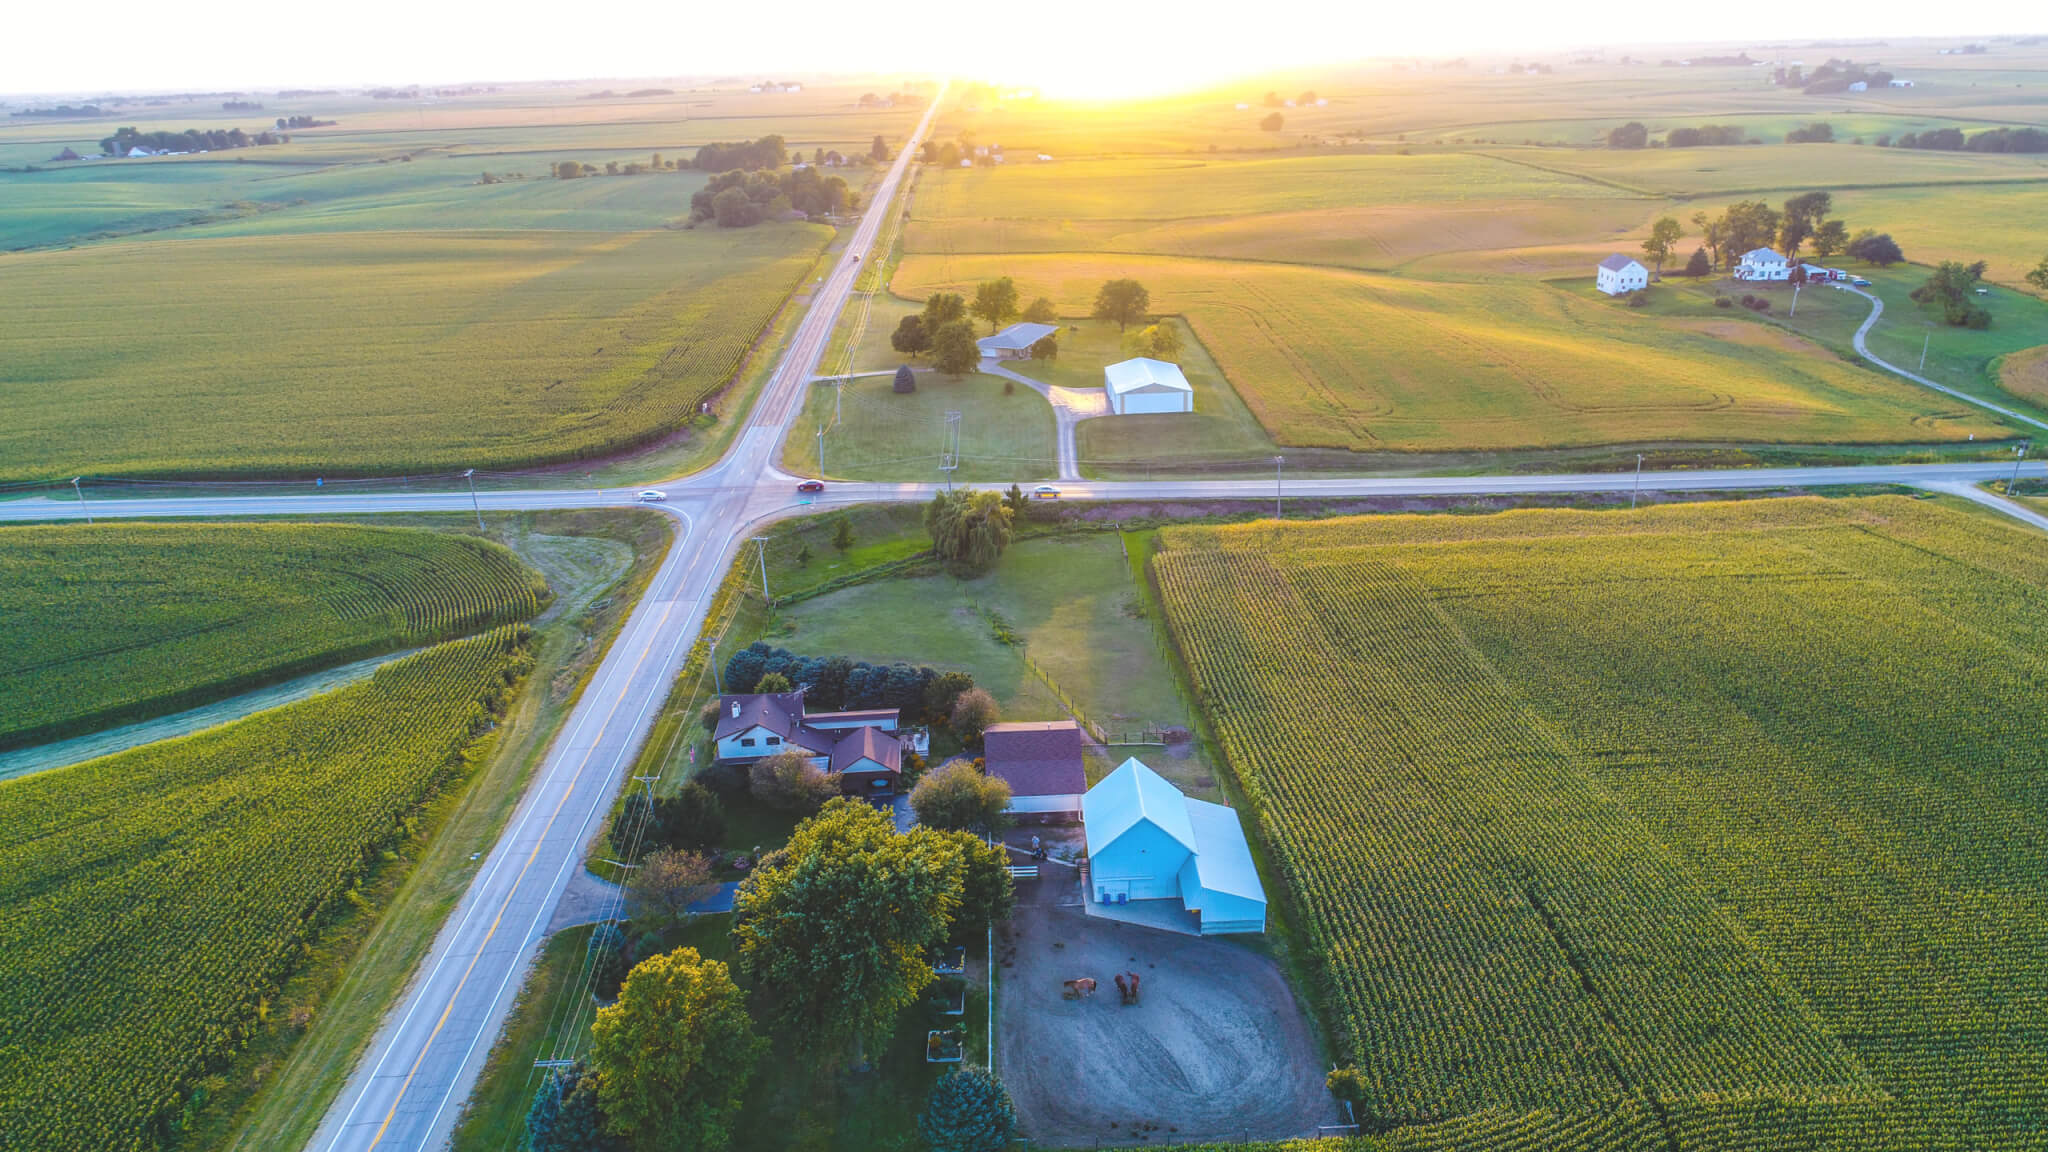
565	1116
969	1111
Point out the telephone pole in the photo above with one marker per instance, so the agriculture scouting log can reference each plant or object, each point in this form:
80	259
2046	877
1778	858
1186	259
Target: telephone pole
761	550
81	498
949	456
821	451
478	508
1638	489
1278	461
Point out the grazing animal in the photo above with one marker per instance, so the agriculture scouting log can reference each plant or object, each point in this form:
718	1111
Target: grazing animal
1134	987
1076	989
1123	990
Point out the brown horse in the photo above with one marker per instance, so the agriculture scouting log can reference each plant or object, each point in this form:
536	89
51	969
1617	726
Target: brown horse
1134	987
1123	990
1076	989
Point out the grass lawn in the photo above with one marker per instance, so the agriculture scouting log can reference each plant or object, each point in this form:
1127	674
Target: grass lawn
1220	427
1006	430
1369	363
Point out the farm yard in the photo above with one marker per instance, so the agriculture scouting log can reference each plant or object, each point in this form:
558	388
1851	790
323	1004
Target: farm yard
114	623
1678	828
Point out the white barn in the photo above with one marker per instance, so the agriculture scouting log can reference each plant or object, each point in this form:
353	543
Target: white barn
1014	342
1146	841
1619	274
1144	385
1763	264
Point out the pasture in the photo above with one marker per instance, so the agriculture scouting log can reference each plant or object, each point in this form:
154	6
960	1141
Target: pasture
1698	827
150	902
120	622
2006	226
1006	430
375	352
1343	360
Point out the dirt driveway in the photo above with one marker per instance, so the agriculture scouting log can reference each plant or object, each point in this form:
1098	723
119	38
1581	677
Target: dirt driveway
1217	1049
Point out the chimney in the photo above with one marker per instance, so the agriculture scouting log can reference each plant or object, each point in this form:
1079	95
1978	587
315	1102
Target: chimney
735	709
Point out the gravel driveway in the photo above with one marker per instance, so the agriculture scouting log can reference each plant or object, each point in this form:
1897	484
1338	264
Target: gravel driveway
1218	1049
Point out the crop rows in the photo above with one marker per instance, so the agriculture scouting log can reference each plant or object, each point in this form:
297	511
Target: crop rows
113	623
1708	820
150	901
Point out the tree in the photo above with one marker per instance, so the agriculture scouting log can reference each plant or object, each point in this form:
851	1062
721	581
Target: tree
569	170
973	712
835	927
1271	100
1952	288
773	682
1802	216
565	1116
941	309
1875	248
666	883
789	782
911	337
1713	235
1699	265
2039	276
1663	235
608	965
987	892
803	556
995	301
1272	122
946	687
1629	135
842	533
1124	301
1041	311
905	381
1160	341
1045	348
672	1057
693	819
879	150
1818	132
732	208
956	794
954	351
969	529
1830	237
969	1111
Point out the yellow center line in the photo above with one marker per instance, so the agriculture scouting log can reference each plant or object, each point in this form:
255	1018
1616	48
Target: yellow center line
499	919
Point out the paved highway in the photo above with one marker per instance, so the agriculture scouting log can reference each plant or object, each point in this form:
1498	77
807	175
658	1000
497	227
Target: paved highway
409	1086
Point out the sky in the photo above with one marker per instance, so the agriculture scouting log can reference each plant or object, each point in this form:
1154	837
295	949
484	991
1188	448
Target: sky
1065	47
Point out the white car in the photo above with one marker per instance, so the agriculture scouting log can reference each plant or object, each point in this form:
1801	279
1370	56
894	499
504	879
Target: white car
1046	492
653	496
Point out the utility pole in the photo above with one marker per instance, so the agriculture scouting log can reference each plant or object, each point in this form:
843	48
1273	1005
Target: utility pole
1795	302
1638	489
761	550
717	680
81	498
1923	347
1277	462
949	457
479	509
821	451
2020	455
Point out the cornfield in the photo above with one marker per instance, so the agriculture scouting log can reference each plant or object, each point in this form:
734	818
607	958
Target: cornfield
1710	827
113	623
150	901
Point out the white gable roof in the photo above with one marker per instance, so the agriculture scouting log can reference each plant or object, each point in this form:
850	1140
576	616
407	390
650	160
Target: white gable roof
1762	256
1131	795
1018	337
1223	859
1147	375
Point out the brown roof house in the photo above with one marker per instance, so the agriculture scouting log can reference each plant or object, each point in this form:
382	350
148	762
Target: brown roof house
1041	762
858	748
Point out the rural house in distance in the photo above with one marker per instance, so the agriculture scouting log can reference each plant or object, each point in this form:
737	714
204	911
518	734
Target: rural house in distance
1763	264
1618	275
860	749
1014	342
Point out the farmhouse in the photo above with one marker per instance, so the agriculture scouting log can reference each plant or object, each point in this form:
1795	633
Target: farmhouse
1014	342
1619	274
1146	841
1143	385
860	748
1763	264
1041	762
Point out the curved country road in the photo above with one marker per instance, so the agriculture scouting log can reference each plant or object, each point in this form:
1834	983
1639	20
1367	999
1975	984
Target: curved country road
1863	350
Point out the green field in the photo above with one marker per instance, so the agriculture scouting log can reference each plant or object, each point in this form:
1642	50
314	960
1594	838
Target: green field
377	352
2005	226
119	622
1695	828
1351	361
150	902
875	434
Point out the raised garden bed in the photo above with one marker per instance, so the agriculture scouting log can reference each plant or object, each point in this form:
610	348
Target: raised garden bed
947	1047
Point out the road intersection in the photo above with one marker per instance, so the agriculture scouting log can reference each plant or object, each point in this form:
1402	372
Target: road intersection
408	1088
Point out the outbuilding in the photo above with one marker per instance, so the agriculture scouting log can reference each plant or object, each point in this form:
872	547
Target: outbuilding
1014	342
1147	841
1618	274
1042	764
1144	385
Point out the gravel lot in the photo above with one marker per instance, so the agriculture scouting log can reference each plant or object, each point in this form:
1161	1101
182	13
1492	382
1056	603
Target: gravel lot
1218	1049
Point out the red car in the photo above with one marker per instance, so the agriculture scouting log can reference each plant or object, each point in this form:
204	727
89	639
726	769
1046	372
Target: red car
811	486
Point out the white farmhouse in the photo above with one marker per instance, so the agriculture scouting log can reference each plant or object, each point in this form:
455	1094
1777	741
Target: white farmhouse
1014	342
1619	274
1763	264
1144	385
1146	841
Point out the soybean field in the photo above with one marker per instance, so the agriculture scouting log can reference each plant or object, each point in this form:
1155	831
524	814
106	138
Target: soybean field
150	901
109	624
1700	827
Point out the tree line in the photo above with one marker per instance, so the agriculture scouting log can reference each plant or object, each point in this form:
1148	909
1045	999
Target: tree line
190	140
1995	140
738	199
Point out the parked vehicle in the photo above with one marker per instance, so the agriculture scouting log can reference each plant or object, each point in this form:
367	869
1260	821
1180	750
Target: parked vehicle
1860	282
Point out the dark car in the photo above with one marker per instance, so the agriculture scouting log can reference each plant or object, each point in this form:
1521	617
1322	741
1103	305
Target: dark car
811	486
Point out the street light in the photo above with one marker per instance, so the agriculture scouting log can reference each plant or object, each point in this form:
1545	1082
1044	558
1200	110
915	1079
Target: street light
81	498
471	477
2019	454
1923	343
1637	490
1277	462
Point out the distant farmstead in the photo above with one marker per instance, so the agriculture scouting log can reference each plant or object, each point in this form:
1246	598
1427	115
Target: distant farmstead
1763	264
1619	274
1014	342
1144	385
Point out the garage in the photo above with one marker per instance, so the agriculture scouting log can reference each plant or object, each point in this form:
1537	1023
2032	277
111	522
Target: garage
1142	386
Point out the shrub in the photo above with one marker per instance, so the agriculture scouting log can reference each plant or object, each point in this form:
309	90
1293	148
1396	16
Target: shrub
906	381
1723	302
973	712
788	782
